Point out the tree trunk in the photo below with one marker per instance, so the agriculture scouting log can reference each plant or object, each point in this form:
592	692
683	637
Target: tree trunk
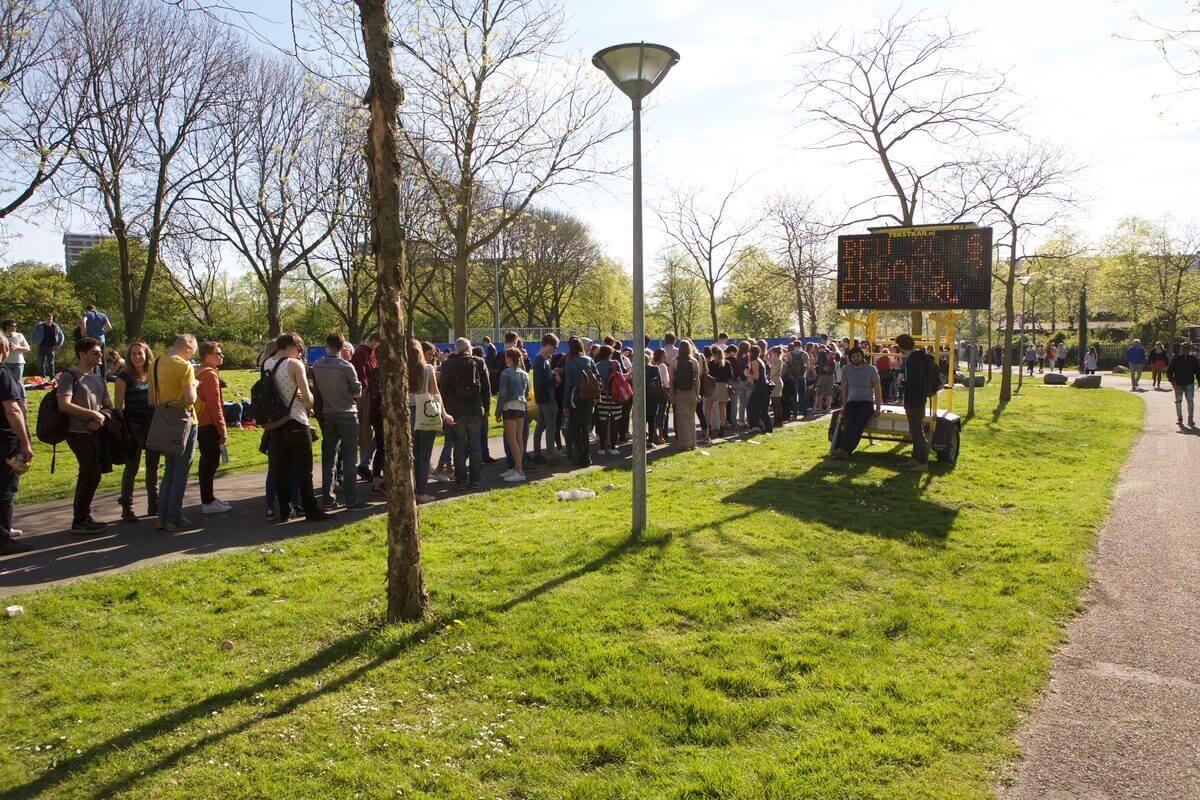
407	598
916	323
712	309
1083	324
461	261
274	290
1009	311
989	343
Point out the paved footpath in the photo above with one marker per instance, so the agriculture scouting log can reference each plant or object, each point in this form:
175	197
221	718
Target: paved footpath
1120	719
55	556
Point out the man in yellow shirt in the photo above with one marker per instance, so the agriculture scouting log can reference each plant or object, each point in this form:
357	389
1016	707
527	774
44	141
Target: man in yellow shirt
173	381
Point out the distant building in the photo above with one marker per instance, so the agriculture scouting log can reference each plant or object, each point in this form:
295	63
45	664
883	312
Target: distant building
76	244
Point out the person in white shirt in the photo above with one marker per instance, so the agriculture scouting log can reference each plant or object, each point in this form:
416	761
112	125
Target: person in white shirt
670	351
14	362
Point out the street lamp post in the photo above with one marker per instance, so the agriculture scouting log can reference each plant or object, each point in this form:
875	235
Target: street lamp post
1024	279
637	69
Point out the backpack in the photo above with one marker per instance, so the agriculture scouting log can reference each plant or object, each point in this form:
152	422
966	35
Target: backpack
266	405
52	423
797	363
685	375
588	387
825	364
937	382
654	387
465	383
619	387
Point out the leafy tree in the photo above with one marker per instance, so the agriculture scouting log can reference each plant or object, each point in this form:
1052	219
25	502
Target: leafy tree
605	302
760	302
30	289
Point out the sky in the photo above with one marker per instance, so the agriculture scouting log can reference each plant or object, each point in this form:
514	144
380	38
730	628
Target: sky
727	110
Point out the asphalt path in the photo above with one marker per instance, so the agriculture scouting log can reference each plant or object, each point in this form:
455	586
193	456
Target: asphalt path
1120	718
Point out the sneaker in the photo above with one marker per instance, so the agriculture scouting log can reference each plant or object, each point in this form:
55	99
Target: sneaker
88	527
216	507
515	477
270	513
424	498
840	455
328	503
127	516
1191	423
364	473
11	533
359	505
473	484
505	474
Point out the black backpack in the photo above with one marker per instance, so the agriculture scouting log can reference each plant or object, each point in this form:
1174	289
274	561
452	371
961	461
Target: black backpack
52	423
685	375
266	405
465	383
654	387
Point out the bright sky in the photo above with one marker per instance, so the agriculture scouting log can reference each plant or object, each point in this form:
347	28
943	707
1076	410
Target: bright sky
725	110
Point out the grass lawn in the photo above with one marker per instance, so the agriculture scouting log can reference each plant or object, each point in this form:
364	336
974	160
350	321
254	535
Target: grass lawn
39	485
788	628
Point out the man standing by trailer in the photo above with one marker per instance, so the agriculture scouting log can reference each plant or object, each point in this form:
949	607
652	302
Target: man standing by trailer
919	375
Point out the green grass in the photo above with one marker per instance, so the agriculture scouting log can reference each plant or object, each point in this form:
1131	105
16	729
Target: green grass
787	628
39	485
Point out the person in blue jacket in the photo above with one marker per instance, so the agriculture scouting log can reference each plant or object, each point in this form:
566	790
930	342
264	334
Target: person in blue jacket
1135	357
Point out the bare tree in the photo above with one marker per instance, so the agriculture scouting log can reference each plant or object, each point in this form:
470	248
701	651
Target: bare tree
286	155
486	138
193	268
801	234
43	95
896	95
677	295
407	597
1021	191
709	236
1179	44
166	85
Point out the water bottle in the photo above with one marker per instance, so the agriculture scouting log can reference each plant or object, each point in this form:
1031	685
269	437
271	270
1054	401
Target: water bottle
224	454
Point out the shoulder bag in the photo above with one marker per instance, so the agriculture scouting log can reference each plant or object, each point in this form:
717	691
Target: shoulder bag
427	407
171	426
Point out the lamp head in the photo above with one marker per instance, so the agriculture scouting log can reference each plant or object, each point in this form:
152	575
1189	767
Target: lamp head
1025	279
636	68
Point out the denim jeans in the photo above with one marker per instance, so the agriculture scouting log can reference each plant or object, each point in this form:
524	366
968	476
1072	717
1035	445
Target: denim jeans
17	370
446	457
422	445
174	483
1189	392
741	408
467	435
129	478
293	483
481	436
339	447
45	362
547	418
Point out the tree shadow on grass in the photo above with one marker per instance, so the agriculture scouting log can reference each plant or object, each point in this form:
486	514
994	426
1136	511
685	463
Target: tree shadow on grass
829	494
328	657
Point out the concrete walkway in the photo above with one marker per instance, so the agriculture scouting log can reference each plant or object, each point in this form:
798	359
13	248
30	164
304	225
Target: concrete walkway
55	556
1120	719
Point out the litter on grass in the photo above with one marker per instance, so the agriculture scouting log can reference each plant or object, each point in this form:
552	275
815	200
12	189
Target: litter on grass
705	453
575	494
15	611
269	550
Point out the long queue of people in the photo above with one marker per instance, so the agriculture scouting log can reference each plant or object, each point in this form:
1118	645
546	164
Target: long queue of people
578	404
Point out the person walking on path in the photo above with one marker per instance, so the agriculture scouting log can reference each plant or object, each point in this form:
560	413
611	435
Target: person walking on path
1091	361
862	398
131	396
173	381
1135	357
1157	359
16	453
1030	357
47	337
918	370
210	431
1183	372
82	393
340	390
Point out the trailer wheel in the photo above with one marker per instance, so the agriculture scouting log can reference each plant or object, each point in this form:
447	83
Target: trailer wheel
949	453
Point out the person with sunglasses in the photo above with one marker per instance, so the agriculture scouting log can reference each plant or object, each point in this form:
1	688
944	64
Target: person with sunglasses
82	394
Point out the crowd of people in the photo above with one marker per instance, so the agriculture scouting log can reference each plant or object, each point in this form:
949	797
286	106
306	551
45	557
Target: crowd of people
578	401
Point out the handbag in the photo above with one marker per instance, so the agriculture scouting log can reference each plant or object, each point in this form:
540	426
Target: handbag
427	408
170	428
